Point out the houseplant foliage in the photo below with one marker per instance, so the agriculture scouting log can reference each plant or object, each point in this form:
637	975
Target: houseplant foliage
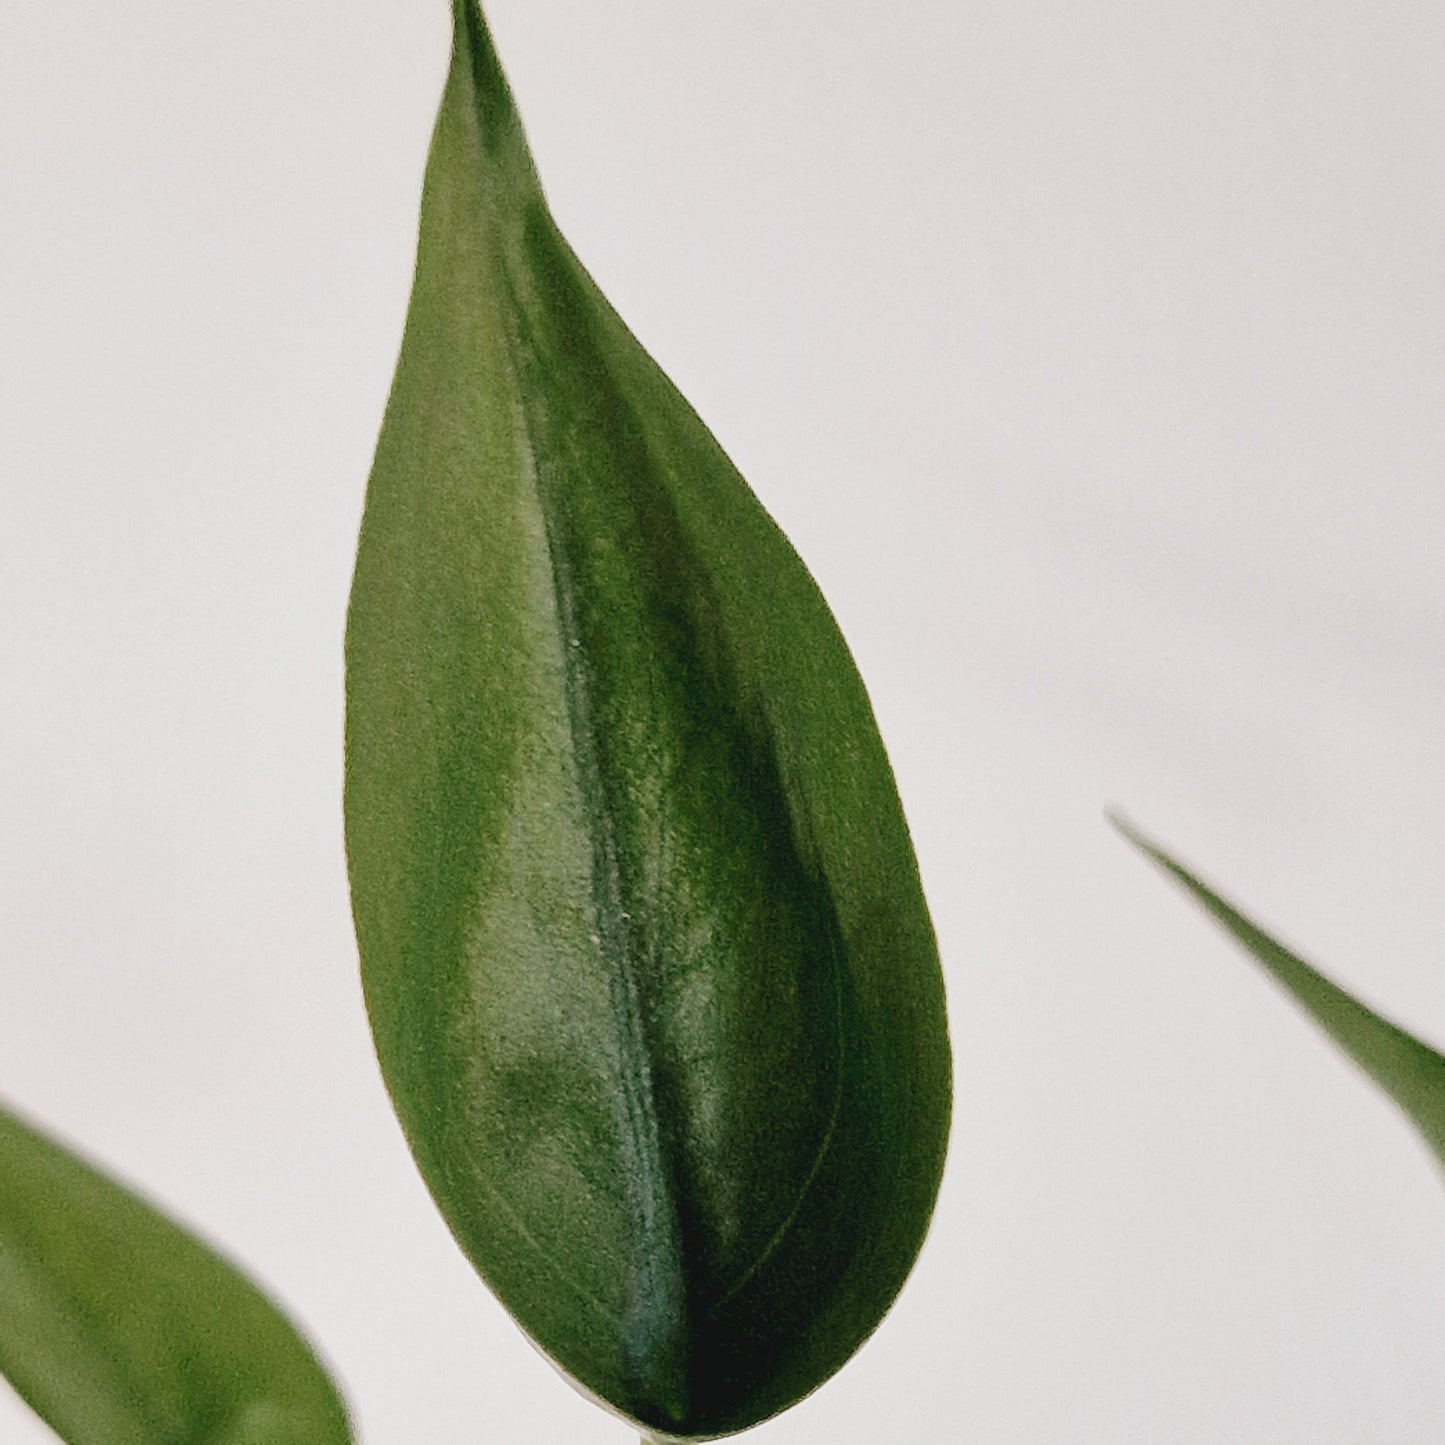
119	1328
645	952
646	958
1409	1071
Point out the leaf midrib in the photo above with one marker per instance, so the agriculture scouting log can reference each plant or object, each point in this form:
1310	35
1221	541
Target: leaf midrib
652	1187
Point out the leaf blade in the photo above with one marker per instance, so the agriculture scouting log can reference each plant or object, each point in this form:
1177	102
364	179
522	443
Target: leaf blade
601	721
119	1328
1409	1071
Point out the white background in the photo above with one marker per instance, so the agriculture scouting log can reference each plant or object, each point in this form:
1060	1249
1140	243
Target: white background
1092	354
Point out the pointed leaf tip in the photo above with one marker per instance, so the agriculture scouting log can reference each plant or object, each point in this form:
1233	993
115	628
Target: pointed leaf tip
117	1326
1407	1069
482	89
646	956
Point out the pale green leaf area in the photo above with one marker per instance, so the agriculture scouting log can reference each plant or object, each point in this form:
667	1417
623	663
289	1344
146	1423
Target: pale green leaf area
120	1328
646	957
1409	1071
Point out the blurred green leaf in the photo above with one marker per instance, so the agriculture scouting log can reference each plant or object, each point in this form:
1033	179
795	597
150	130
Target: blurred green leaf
1410	1072
119	1328
647	962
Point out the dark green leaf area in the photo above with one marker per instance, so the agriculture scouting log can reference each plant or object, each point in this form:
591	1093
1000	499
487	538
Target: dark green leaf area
119	1328
647	962
1409	1071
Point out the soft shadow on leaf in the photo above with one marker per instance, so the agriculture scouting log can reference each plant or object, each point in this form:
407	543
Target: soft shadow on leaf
646	957
119	1328
1409	1071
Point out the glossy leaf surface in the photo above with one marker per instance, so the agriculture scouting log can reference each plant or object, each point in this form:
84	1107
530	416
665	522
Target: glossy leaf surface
119	1328
646	957
1409	1071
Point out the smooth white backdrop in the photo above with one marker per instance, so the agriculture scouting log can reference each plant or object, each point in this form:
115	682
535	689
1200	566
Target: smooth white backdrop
1093	356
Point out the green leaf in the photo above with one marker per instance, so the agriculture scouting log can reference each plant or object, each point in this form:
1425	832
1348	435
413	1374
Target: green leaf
119	1328
651	978
1409	1071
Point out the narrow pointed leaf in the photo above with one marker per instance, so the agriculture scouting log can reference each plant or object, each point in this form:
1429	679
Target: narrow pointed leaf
645	953
1409	1071
119	1328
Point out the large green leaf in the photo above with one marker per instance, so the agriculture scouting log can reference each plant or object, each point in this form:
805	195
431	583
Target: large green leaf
646	957
119	1328
1410	1072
